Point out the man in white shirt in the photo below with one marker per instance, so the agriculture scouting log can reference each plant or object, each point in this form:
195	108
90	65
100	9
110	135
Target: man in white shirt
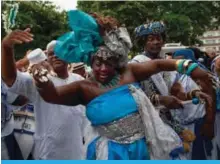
7	121
58	133
9	145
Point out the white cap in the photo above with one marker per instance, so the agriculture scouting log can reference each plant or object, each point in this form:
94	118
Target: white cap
36	56
51	44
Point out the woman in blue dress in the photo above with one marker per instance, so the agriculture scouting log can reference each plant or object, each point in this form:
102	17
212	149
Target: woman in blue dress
125	124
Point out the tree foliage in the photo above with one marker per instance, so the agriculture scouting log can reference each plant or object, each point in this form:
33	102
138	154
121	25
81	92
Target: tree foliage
185	20
43	18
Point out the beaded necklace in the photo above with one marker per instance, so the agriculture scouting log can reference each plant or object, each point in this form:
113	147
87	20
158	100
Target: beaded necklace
112	83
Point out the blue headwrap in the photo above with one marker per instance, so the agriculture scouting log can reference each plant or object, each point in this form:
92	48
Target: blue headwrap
85	39
188	54
82	42
154	28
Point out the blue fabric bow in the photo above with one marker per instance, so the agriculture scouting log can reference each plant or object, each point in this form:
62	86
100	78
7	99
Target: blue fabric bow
82	42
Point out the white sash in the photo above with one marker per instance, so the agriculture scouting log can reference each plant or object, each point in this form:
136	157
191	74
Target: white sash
162	139
156	78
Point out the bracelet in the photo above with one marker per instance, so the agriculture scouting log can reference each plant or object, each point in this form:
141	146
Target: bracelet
179	65
191	68
193	93
152	98
189	95
155	99
186	65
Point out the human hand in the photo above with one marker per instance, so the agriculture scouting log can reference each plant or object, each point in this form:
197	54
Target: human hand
204	98
17	37
170	102
40	74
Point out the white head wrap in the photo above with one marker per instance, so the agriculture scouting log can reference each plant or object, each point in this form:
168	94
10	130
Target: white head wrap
51	44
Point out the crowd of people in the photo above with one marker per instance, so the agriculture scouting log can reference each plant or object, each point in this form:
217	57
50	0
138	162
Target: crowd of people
146	108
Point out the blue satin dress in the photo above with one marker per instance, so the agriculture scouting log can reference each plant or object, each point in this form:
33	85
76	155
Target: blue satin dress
109	107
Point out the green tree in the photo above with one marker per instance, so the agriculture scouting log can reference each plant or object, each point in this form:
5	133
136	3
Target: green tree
45	21
185	21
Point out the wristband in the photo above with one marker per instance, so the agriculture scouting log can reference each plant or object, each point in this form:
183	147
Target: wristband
191	69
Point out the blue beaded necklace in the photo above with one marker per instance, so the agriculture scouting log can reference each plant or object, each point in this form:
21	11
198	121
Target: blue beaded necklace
112	83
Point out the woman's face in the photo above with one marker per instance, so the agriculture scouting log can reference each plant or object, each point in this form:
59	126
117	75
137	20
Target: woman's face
103	70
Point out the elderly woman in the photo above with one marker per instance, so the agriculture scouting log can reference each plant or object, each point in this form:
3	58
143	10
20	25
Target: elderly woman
130	127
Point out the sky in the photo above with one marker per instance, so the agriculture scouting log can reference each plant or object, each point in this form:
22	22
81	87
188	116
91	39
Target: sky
65	4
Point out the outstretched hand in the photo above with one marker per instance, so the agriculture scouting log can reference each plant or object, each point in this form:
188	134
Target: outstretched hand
40	74
171	102
204	98
207	128
17	37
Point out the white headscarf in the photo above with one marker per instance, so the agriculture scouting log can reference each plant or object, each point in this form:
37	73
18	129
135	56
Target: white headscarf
51	44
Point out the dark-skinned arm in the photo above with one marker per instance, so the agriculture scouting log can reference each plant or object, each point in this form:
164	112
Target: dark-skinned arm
9	72
142	71
70	94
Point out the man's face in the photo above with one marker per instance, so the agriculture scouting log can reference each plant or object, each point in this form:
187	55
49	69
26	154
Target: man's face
55	62
154	44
